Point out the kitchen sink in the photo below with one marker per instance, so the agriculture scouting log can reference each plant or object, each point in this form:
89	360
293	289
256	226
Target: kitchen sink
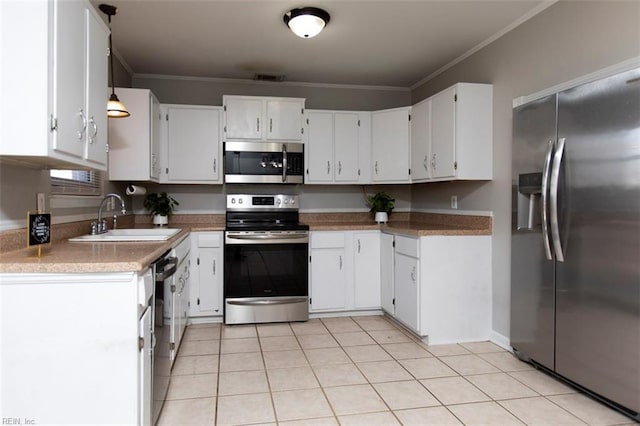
121	235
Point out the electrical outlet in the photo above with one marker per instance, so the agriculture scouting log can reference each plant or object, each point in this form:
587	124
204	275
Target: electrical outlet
40	201
454	201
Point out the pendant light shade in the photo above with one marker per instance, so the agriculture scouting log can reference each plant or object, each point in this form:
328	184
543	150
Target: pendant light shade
115	108
306	22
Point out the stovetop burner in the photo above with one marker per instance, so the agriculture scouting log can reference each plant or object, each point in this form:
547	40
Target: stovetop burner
263	212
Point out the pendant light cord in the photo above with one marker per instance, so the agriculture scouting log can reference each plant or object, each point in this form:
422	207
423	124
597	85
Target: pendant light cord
113	87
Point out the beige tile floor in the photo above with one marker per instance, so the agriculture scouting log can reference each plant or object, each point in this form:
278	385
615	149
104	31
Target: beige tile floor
360	371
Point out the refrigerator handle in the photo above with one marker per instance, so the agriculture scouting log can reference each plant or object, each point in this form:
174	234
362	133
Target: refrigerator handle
546	169
553	195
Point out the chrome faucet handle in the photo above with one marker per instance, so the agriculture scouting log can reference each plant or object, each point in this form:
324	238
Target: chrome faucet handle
94	228
115	221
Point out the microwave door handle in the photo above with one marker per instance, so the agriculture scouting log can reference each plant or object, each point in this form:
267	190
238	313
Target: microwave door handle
284	162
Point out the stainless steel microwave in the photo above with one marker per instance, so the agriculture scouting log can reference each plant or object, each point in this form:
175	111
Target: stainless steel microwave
263	162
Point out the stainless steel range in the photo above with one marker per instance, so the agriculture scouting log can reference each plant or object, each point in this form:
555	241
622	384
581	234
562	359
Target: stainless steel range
266	254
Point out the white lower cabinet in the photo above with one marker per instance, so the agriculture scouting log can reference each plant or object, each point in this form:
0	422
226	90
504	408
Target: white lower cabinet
207	274
327	269
343	270
76	348
441	285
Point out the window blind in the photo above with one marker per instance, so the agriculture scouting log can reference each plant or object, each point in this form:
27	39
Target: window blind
76	182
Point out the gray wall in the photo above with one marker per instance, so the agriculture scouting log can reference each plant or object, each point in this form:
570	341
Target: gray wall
203	91
565	41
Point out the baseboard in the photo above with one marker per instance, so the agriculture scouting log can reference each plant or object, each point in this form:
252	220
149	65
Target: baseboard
500	340
345	313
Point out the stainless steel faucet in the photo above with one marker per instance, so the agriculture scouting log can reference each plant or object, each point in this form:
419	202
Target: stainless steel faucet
100	227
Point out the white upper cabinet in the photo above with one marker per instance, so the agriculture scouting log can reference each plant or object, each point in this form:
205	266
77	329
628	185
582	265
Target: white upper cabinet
333	144
263	118
191	144
461	137
390	145
134	142
62	85
421	141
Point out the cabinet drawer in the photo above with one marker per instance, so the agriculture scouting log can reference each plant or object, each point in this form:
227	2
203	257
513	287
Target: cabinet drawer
407	246
327	239
209	239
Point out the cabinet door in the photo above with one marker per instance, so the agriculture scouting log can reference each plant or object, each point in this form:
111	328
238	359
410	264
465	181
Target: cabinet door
206	298
390	145
328	279
155	139
406	290
387	293
96	90
366	270
319	147
194	144
443	146
345	141
420	140
284	120
145	368
243	118
68	77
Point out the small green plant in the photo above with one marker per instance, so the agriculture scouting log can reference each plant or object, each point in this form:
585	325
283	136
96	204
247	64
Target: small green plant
381	202
160	204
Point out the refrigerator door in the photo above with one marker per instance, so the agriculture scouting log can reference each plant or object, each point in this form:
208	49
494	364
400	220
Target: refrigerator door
532	266
598	283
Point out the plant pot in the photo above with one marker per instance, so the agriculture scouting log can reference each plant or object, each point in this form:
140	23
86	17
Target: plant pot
381	217
160	220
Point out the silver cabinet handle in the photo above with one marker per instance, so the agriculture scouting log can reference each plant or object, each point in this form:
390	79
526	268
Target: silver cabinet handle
413	274
339	167
215	165
214	266
328	166
376	167
284	162
257	124
358	245
434	162
546	169
553	196
271	125
425	163
94	128
340	257
84	124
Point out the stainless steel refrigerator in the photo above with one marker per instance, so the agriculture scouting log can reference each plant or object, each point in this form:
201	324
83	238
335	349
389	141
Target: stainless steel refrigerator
575	267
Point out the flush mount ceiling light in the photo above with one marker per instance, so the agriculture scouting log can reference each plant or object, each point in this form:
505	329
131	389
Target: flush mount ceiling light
306	22
115	108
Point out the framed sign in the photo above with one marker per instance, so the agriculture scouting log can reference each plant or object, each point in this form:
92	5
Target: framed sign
39	229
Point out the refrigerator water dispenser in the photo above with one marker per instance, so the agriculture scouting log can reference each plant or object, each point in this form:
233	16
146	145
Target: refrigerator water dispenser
529	191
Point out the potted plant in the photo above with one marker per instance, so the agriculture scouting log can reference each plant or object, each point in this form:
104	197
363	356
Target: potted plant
382	204
160	206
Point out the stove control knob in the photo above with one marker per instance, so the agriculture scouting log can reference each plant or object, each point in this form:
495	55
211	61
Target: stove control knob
293	201
233	201
278	201
239	200
286	201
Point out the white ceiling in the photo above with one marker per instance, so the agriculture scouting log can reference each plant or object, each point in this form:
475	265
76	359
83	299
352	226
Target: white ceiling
380	43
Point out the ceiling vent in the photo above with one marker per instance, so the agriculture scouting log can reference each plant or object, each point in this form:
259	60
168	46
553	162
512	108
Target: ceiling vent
268	77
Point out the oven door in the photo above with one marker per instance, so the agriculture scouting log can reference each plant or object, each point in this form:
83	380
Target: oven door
260	162
266	276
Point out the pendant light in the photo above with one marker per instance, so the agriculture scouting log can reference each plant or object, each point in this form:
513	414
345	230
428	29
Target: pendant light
306	22
115	108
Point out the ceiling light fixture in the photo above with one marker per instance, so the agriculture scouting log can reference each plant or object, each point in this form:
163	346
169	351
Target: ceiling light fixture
115	108
306	22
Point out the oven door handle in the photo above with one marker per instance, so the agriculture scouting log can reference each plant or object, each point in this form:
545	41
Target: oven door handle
268	239
263	302
162	271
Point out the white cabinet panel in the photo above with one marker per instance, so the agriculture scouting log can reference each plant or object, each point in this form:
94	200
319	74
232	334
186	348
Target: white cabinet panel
387	293
366	271
421	141
328	289
346	138
134	142
205	293
390	145
263	118
443	134
193	144
54	66
319	146
406	288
